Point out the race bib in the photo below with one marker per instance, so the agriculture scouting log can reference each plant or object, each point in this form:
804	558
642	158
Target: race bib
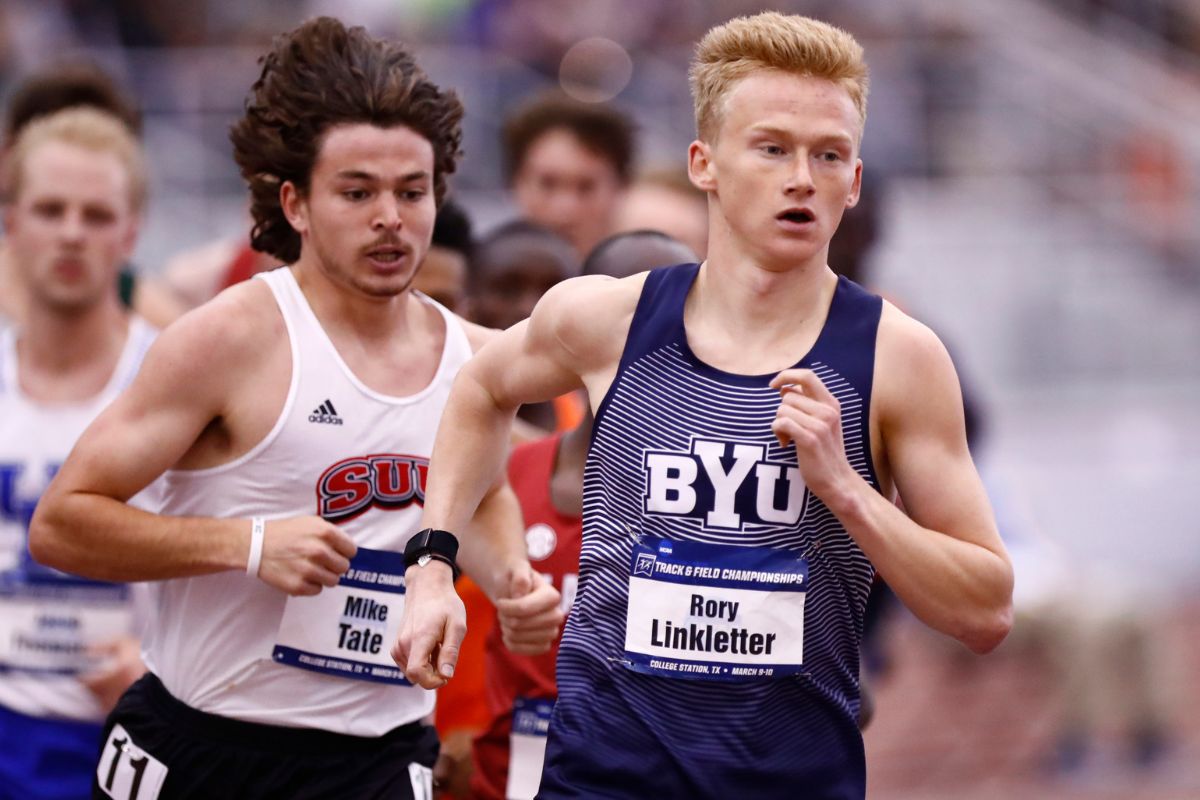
527	746
421	778
715	612
126	771
348	630
48	626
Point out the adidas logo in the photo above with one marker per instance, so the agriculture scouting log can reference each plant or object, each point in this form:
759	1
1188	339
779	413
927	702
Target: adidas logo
325	414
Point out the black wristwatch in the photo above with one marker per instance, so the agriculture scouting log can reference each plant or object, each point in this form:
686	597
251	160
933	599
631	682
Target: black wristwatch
432	545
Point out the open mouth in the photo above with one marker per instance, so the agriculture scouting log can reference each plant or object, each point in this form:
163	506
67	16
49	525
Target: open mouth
797	216
69	267
386	255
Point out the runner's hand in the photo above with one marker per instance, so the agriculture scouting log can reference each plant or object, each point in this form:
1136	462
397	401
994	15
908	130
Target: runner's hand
531	617
119	665
303	555
432	627
453	768
810	417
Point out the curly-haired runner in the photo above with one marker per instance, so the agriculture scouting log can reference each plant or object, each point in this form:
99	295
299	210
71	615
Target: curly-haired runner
293	417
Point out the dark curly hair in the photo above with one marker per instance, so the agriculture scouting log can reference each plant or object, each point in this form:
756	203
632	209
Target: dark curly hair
320	75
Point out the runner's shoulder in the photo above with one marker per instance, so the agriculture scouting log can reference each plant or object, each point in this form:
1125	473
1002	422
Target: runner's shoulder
582	312
915	376
231	333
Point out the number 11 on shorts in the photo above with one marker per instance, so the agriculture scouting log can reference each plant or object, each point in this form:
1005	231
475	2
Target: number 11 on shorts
126	771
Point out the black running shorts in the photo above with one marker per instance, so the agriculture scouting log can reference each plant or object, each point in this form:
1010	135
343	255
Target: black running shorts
158	748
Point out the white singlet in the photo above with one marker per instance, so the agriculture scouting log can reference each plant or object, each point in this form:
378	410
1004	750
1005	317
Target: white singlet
339	450
49	618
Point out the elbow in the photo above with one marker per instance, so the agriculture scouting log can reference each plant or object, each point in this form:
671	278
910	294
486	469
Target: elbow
993	619
986	633
46	544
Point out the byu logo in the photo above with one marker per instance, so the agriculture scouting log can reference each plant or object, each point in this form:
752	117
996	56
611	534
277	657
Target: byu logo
726	484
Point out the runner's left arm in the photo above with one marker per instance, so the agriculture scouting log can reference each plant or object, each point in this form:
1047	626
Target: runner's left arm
942	554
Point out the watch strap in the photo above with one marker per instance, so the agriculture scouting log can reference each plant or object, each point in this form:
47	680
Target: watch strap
438	544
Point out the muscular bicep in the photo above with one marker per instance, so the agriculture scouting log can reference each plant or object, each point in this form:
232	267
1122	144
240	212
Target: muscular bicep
924	435
572	340
520	366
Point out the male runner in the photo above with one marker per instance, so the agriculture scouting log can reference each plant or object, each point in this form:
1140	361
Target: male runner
75	85
293	418
73	187
754	417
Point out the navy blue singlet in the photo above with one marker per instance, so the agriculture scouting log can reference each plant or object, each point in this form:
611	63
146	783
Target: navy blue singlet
684	478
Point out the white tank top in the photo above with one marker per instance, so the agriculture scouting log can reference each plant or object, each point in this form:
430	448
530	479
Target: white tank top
213	641
48	618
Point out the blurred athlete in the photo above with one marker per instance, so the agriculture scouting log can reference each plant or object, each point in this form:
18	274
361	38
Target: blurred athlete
74	185
59	87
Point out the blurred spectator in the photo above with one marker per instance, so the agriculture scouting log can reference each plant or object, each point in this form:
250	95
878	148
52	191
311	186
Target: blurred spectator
65	86
1094	623
1110	669
1161	198
72	85
541	32
567	163
1176	23
665	200
28	31
443	273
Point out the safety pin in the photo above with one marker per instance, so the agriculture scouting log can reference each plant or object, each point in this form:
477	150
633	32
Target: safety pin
624	662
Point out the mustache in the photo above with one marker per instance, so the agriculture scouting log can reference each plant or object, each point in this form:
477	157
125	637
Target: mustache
388	241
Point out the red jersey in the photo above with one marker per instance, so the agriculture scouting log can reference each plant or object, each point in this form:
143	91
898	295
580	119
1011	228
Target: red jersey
552	540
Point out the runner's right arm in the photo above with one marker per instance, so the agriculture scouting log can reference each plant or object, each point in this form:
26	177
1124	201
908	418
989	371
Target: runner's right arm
187	382
573	338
